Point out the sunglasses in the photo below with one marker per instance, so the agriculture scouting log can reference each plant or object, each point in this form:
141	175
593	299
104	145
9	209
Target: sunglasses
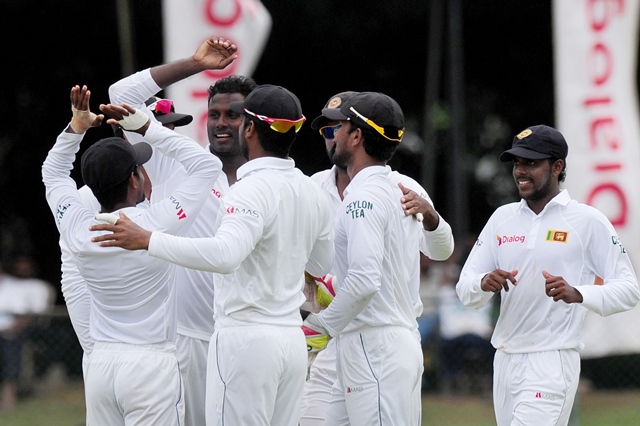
328	132
280	125
162	106
377	128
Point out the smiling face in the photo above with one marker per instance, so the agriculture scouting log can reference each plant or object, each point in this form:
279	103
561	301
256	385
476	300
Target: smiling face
537	180
223	125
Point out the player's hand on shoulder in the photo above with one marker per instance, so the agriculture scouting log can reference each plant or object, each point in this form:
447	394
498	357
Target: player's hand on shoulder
216	53
558	289
124	233
83	119
498	280
414	204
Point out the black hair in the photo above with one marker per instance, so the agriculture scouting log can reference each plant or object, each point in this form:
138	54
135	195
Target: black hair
376	145
232	84
276	143
113	196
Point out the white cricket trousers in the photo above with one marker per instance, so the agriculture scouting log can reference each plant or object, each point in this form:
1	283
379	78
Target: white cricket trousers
317	388
535	389
192	359
137	385
255	375
379	379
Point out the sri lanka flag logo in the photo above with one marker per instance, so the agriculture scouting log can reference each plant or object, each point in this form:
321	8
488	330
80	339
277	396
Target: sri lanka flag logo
557	236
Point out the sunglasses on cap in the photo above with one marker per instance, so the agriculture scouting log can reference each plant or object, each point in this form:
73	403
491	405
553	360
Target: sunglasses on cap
162	106
328	132
280	125
377	128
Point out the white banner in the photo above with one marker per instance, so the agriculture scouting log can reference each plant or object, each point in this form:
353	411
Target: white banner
187	23
595	54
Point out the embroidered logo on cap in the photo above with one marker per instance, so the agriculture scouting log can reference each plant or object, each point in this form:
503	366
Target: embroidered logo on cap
523	134
335	102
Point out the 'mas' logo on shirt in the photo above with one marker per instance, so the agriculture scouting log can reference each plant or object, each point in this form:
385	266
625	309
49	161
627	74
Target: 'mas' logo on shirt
356	209
513	239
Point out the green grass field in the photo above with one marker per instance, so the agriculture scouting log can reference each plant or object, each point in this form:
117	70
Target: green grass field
65	407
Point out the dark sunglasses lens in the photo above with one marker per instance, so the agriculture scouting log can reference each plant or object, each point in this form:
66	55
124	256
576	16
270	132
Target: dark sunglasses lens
328	132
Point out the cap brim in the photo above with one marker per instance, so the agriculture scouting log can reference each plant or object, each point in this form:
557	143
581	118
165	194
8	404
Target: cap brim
143	152
334	114
319	121
175	119
237	106
523	153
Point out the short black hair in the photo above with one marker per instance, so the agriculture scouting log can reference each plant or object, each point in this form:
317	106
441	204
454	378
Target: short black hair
376	145
232	84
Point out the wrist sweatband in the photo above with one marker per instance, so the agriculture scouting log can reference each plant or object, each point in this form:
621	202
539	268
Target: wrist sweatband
134	121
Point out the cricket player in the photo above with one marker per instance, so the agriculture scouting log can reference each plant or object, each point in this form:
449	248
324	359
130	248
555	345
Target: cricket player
196	289
543	255
436	242
277	225
132	373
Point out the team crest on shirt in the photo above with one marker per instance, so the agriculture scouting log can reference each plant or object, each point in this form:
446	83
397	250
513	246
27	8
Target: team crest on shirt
557	236
357	209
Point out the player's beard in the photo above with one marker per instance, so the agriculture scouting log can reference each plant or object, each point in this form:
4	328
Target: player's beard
332	156
341	159
540	191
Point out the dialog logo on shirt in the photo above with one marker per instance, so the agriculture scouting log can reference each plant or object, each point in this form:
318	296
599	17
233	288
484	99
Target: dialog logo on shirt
179	210
357	208
238	210
512	239
557	236
216	192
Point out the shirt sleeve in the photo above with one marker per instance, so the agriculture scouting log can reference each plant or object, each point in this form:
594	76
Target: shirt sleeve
608	258
321	258
239	232
480	262
171	214
365	253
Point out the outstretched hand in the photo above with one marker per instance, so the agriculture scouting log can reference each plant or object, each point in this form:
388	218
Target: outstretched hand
125	233
216	53
557	288
83	119
127	117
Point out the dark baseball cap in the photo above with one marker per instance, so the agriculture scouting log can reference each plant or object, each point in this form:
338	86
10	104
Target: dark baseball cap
372	109
268	103
336	101
165	112
110	161
536	143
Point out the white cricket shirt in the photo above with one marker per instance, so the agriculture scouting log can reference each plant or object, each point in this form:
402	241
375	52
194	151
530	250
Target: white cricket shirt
132	296
437	244
376	257
195	287
277	224
566	239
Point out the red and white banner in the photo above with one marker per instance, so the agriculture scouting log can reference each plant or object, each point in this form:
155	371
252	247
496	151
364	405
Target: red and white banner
595	54
187	23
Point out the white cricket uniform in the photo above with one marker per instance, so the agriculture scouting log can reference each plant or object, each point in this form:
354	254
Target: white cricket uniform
278	224
373	315
132	373
195	288
437	244
537	363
